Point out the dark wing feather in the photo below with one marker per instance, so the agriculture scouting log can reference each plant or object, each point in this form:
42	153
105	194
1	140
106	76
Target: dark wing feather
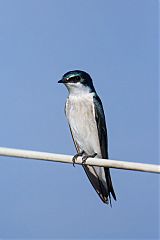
101	126
102	133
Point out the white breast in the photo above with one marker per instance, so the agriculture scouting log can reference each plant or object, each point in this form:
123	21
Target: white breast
81	117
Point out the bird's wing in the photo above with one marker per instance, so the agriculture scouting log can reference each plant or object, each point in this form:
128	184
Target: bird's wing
102	134
101	126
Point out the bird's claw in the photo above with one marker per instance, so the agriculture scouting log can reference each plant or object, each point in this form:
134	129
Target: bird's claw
76	156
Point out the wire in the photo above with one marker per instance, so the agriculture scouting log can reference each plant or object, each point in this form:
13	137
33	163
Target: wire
19	153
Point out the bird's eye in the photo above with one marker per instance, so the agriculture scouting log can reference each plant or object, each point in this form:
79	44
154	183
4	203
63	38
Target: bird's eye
74	79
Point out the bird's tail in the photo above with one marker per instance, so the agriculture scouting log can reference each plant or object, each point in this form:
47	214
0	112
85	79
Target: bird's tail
101	181
109	185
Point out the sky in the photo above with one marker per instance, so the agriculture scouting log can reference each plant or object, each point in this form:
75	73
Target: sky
116	42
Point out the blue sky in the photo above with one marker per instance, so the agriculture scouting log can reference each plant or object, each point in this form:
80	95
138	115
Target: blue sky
117	43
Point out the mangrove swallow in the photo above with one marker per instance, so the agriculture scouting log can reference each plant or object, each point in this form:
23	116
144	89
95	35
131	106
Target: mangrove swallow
85	115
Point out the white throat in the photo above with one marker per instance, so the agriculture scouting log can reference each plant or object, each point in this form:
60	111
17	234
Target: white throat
77	89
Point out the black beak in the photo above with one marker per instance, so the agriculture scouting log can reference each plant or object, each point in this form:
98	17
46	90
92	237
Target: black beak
61	81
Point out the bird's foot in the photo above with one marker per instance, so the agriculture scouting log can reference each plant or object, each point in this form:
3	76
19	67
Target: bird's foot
76	156
84	158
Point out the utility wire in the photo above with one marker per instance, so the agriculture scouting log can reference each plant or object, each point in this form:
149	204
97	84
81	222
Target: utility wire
19	153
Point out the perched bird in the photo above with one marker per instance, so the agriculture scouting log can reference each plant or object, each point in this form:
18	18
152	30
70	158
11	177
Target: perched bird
85	115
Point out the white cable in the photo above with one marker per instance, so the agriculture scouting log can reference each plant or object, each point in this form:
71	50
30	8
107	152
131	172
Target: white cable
11	152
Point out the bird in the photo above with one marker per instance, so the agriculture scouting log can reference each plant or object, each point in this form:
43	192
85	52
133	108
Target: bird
86	119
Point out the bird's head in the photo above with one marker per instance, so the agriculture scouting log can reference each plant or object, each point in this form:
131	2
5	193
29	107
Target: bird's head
77	82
